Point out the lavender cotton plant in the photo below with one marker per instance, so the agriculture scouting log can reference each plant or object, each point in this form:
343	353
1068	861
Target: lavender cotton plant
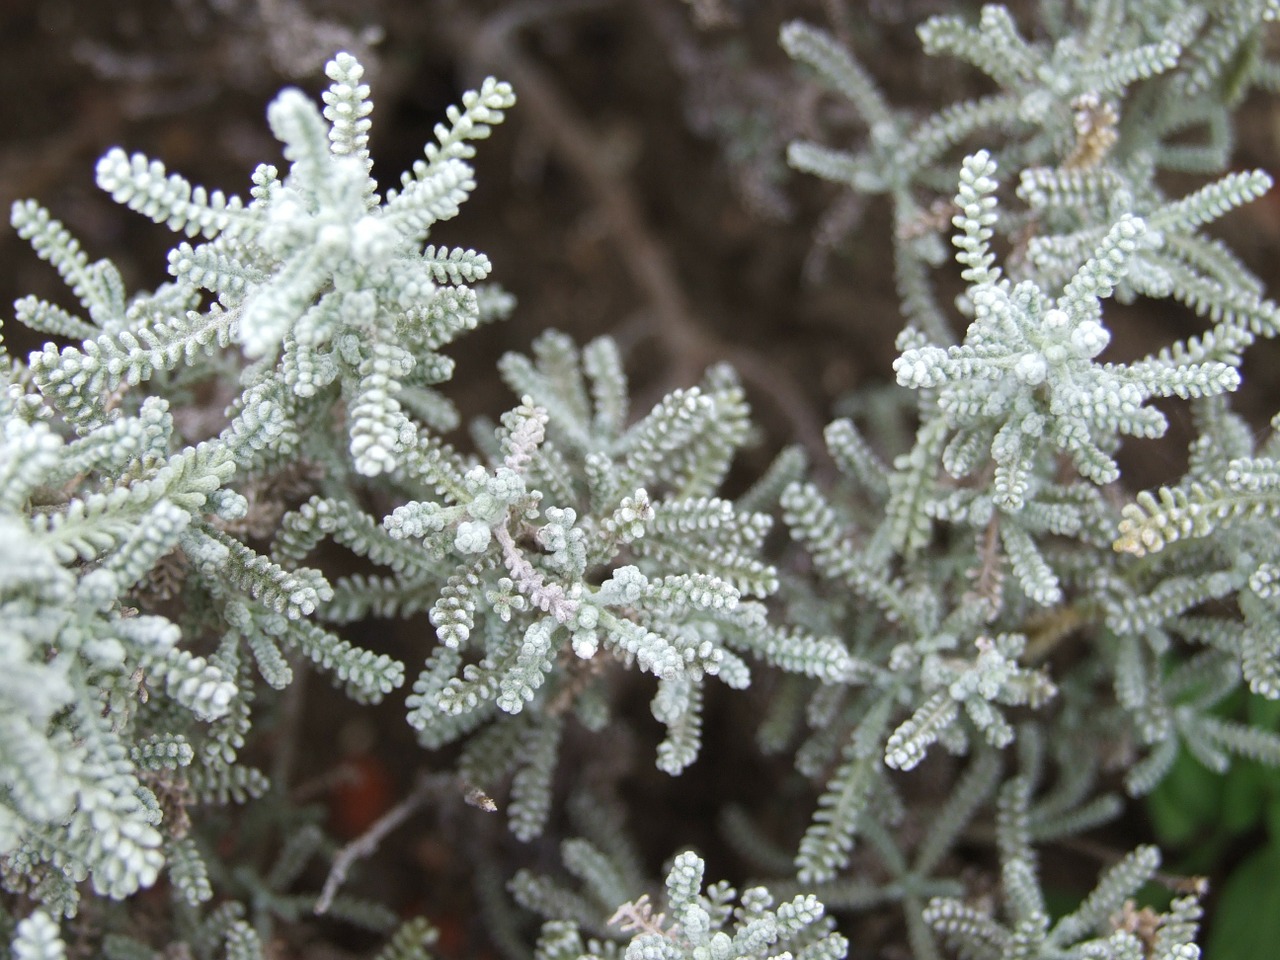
971	635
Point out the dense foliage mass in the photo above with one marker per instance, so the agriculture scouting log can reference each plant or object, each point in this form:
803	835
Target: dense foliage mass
981	585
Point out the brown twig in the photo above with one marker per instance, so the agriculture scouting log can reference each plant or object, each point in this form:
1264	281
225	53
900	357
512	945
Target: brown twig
427	787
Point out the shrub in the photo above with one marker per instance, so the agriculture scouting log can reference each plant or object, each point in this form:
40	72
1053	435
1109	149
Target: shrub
981	584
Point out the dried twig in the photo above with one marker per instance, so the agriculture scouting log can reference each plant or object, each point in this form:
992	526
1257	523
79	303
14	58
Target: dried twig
428	787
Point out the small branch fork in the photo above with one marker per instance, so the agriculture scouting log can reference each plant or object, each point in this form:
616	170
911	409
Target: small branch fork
428	787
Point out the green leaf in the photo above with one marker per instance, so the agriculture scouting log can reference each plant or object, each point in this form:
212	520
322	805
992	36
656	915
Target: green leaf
1246	924
1244	793
1186	803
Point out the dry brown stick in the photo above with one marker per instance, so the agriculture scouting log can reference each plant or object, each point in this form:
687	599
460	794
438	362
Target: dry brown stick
427	787
491	42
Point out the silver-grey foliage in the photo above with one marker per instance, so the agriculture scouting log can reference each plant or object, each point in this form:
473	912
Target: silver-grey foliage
582	539
1020	415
